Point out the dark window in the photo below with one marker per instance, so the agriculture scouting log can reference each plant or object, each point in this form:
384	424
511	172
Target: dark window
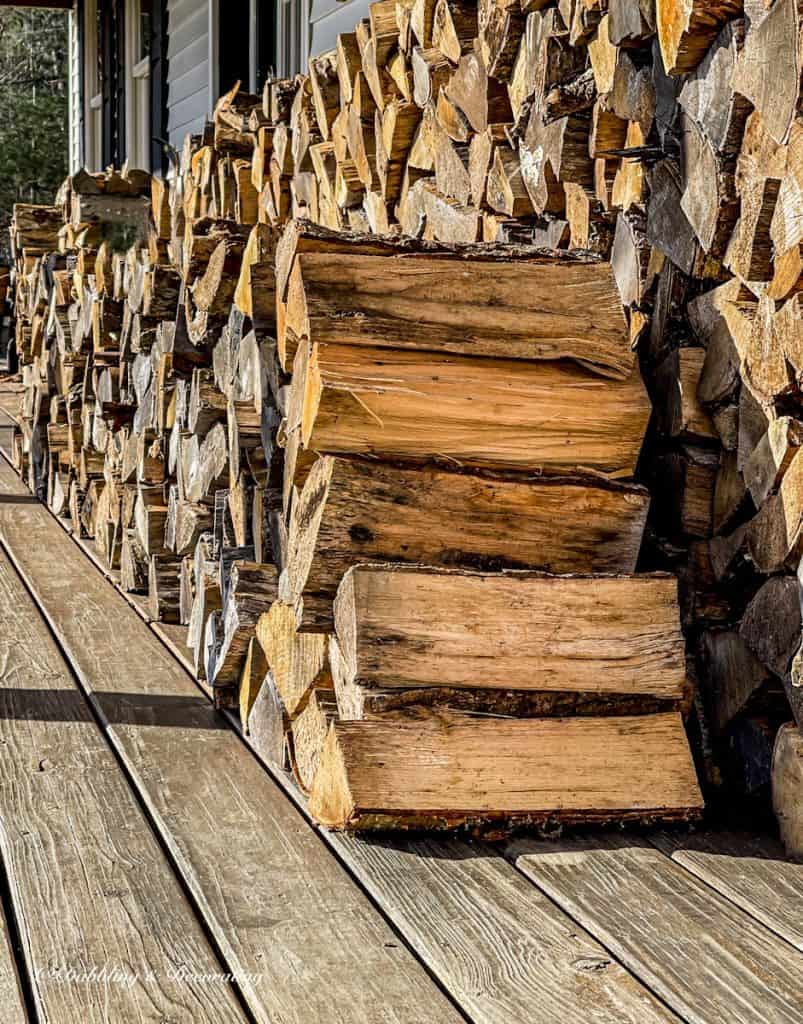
157	48
234	43
111	58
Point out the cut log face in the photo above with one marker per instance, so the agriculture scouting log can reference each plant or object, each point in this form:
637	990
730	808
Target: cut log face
407	627
310	729
765	467
395	775
787	788
297	662
732	676
768	72
687	28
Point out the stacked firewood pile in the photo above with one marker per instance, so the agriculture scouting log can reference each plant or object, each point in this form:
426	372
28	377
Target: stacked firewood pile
360	404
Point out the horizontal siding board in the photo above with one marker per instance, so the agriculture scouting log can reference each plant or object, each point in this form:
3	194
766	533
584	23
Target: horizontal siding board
323	8
187	19
188	112
193	82
188	100
189	58
331	19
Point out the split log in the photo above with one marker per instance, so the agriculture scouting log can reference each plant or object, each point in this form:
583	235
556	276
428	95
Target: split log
376	774
347	512
414	303
687	28
429	407
492	630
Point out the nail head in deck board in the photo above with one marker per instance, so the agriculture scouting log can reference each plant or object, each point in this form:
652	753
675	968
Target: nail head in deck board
90	886
276	901
750	870
708	960
502	949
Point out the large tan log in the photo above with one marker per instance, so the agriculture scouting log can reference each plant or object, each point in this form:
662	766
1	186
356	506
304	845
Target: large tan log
255	294
500	27
759	172
482	412
505	190
786	230
517	310
442	772
213	293
481	99
431	71
407	628
787	788
302	236
348	512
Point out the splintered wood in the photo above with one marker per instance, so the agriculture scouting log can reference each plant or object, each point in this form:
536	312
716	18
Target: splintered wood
360	397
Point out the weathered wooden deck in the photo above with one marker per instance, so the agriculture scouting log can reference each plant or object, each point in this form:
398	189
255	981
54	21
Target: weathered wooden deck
154	870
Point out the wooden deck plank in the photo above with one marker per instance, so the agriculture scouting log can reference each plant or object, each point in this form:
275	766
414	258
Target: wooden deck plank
504	950
90	886
11	998
707	959
305	942
750	870
484	938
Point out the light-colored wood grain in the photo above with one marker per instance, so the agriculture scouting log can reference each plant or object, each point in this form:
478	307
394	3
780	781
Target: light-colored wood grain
305	941
471	412
504	951
542	310
707	959
443	770
90	886
749	869
409	626
348	512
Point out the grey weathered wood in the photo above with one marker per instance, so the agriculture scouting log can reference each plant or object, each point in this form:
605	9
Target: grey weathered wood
306	942
504	951
707	959
11	999
750	870
90	886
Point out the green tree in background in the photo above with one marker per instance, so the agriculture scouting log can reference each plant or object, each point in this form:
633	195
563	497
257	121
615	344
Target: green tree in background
33	109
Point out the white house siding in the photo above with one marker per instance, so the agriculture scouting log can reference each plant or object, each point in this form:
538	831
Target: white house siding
328	19
188	78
